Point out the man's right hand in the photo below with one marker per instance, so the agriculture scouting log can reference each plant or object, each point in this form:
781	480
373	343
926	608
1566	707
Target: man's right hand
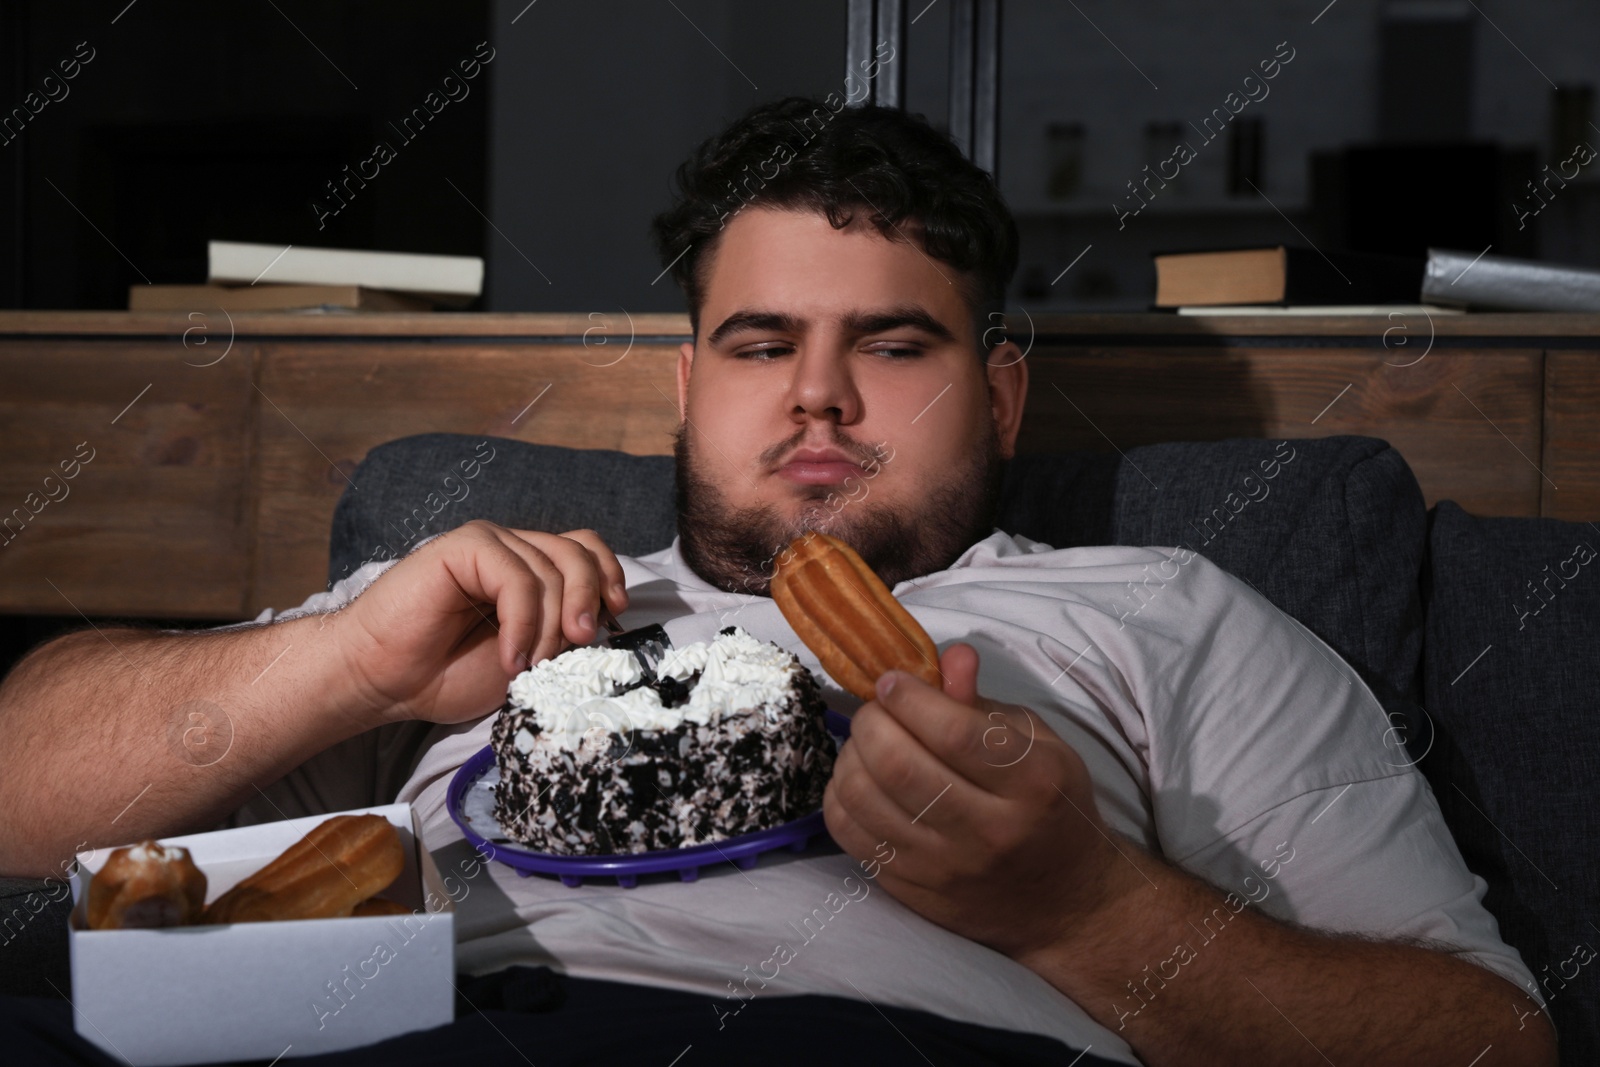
440	634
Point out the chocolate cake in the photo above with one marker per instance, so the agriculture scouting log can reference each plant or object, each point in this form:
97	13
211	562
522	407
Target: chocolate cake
598	756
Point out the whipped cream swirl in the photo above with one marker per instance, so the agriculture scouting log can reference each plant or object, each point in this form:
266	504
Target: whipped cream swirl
588	689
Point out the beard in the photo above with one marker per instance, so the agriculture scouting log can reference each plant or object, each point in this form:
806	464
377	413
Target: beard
733	548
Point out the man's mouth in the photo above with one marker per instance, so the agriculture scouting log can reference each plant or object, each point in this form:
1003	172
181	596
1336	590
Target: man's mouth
825	466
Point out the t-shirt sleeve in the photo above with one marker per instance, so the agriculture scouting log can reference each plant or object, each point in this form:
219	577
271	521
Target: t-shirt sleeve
1276	775
336	596
361	772
1372	858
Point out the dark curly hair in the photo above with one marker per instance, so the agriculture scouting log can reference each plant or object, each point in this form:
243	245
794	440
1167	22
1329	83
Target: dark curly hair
802	153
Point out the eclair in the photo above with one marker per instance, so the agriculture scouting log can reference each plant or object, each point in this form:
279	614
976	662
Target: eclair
341	863
847	616
144	886
380	906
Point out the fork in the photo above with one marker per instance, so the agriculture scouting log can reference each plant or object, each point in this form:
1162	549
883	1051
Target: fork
649	644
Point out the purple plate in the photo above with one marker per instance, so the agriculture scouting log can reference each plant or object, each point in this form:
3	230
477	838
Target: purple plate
471	804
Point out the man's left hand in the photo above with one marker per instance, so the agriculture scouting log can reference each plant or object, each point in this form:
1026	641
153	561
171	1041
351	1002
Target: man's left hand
990	814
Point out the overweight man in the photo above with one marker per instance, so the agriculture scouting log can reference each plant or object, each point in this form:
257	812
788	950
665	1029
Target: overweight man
1171	836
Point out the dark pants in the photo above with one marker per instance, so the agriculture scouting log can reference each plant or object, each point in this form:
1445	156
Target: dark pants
535	1016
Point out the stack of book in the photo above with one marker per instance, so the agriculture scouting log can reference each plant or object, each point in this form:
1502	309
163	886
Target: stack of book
1288	280
256	277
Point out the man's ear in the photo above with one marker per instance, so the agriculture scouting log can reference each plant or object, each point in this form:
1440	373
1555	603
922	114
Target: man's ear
1007	371
685	364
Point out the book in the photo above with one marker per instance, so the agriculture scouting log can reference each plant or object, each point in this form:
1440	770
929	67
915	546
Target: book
1485	281
265	297
1284	274
452	280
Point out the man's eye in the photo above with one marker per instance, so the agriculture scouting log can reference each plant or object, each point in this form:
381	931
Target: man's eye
899	353
761	354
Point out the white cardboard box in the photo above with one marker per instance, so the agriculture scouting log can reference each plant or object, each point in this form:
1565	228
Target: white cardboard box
203	994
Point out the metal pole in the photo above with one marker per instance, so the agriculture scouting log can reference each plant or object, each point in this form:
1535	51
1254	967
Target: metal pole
963	17
889	87
986	87
974	67
859	27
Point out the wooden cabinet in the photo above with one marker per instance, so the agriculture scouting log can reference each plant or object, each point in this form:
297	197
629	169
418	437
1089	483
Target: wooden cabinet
324	404
1465	419
159	520
1571	447
221	446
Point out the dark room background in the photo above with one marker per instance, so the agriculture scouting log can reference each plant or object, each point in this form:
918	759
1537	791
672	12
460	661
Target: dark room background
1388	126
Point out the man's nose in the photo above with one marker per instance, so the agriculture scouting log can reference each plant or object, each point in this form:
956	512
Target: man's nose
824	388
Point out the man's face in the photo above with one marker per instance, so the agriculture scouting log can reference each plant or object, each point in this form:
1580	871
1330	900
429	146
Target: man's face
835	385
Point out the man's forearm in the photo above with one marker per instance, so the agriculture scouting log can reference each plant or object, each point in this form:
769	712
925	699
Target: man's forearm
1189	975
118	735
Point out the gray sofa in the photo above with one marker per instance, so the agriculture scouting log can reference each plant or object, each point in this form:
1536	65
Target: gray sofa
1480	636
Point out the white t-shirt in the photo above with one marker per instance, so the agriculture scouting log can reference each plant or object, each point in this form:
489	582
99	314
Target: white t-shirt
1219	733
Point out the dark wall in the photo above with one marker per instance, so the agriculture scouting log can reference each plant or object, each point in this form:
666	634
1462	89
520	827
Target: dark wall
596	105
193	121
197	121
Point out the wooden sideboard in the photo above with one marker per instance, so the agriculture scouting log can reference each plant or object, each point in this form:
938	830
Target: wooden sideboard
218	446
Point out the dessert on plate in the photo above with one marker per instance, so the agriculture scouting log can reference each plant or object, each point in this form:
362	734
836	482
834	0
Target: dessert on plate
597	756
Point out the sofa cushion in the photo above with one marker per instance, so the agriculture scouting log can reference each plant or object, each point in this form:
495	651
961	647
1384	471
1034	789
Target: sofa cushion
1511	670
417	486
